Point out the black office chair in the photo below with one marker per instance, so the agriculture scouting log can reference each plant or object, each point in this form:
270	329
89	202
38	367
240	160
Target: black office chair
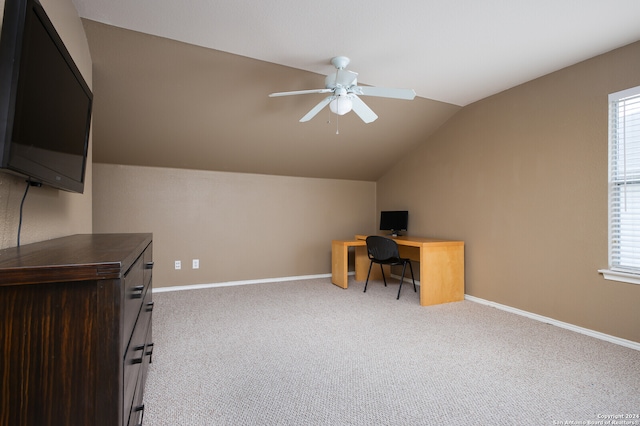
384	251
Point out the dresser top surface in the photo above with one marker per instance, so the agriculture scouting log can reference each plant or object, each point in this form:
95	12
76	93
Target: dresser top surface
106	254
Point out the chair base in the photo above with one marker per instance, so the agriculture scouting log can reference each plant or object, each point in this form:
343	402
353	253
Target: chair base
404	263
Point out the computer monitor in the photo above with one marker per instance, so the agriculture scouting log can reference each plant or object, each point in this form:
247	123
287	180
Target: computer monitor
394	221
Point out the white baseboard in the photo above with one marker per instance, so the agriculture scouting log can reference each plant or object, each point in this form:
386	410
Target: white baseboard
247	282
577	329
407	279
232	283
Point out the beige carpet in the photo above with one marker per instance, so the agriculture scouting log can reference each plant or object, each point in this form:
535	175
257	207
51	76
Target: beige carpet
310	353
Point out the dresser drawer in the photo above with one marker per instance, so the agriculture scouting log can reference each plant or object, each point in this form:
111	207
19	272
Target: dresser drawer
146	318
148	264
136	415
138	356
136	283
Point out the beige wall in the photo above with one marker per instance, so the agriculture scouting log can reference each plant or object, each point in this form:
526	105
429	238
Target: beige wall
521	177
48	212
240	226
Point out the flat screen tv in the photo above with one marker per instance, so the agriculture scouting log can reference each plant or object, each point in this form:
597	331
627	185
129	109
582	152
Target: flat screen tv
45	104
394	221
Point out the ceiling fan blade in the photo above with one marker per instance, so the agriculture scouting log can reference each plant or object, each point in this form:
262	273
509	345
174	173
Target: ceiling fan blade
384	92
300	92
316	109
364	112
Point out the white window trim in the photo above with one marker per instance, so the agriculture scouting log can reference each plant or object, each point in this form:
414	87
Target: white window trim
631	277
624	277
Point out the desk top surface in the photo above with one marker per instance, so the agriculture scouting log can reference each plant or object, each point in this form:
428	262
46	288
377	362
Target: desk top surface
409	240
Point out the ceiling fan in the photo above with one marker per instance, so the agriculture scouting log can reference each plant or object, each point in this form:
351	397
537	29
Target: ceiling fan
344	91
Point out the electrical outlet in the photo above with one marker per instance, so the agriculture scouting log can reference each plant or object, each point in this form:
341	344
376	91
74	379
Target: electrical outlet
178	264
196	264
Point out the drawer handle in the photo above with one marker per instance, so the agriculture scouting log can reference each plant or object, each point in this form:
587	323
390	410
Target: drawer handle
136	349
137	292
148	265
139	408
150	352
150	307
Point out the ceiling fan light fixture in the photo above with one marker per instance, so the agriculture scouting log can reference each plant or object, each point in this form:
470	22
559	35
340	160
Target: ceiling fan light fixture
341	105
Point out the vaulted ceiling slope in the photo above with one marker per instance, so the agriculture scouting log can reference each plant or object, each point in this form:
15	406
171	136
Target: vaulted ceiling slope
185	84
163	103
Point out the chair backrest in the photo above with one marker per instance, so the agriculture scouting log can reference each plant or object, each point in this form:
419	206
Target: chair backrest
381	248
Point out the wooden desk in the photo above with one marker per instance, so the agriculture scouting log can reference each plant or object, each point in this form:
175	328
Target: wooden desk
340	260
441	265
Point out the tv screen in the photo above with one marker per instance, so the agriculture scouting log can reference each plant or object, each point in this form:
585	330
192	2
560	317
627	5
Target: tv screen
394	220
45	103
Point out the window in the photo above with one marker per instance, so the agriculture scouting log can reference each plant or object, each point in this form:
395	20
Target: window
624	186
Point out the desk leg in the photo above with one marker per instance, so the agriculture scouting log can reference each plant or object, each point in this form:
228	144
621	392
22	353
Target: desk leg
339	264
361	263
441	275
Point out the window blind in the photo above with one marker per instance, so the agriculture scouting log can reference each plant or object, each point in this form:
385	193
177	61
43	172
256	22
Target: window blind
624	181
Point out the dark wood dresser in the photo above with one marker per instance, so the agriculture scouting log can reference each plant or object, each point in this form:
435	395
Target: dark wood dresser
76	330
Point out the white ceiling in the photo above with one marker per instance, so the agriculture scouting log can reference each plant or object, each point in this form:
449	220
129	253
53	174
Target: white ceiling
456	51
